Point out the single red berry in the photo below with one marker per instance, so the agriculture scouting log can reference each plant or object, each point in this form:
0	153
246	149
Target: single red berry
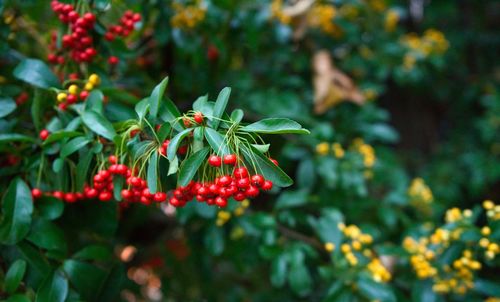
213	188
252	191
230	159
36	193
212	52
198	117
214	161
44	134
267	185
109	36
105	196
186	121
70	197
92	193
126	194
239	196
121	169
160	197
112	159
146	193
243	183
274	161
22	98
240	172
225	180
52	58
221	202
257	180
113	60
174	202
83	95
58	194
182	150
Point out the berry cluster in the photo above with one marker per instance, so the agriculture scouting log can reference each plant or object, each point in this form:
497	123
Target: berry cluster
197	118
79	40
103	187
240	185
127	24
75	93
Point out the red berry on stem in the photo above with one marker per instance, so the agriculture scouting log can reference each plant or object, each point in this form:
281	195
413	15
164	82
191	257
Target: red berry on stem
230	159
113	60
198	117
214	161
36	193
221	202
160	197
112	159
105	196
257	180
252	191
44	134
267	185
240	172
239	196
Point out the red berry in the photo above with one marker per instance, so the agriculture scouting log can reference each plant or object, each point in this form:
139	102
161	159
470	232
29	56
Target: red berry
240	172
267	185
243	183
98	178
221	202
146	193
198	117
186	122
36	193
121	169
105	196
160	197
44	134
182	150
230	159
112	159
239	196
274	161
83	95
109	36
174	202
71	99
212	53
113	60
225	180
58	194
257	180
70	197
127	194
252	191
214	161
92	193
210	201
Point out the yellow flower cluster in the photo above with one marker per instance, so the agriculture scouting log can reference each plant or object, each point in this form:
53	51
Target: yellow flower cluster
367	151
421	257
277	12
224	216
492	210
460	277
432	42
324	149
456	215
355	248
391	20
187	16
420	195
321	16
93	81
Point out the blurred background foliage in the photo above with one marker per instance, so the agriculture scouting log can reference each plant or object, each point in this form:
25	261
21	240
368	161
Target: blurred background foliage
402	100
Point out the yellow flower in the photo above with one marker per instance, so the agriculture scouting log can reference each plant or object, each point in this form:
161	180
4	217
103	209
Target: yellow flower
488	205
485	231
391	20
338	151
322	148
329	247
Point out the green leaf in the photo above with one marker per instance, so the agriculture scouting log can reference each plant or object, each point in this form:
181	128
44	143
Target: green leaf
94	101
37	264
13	137
14	276
173	167
279	270
275	126
300	279
289	199
169	113
82	168
487	288
59	135
36	73
266	167
375	290
190	166
164	132
18	298
220	107
73	146
50	207
36	108
17	206
156	96
54	288
237	115
118	182
85	278
262	148
47	235
94	252
152	174
422	292
216	141
98	124
141	108
175	142
7	105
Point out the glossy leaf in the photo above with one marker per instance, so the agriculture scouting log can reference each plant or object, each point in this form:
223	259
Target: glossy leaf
94	101
142	108
17	206
86	278
169	113
7	106
375	290
190	166
14	276
266	167
61	134
99	124
94	252
220	107
73	146
152	173
36	73
216	141
237	115
156	97
275	126
54	288
47	235
13	137
50	207
82	169
175	143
